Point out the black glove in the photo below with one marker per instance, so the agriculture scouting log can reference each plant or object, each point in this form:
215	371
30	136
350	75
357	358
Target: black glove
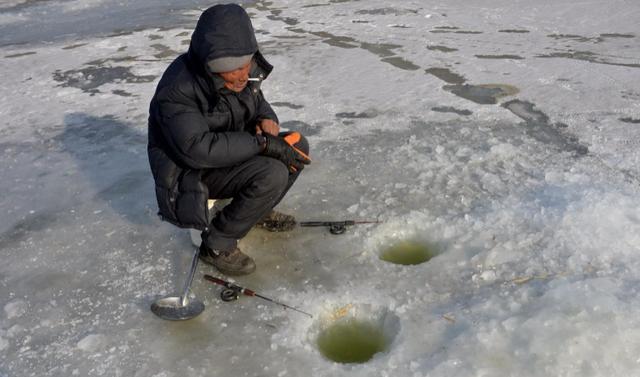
276	147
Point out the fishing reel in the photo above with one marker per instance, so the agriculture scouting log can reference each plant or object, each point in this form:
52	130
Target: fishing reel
229	294
337	228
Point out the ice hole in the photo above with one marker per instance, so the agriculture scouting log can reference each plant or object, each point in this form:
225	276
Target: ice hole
408	253
353	334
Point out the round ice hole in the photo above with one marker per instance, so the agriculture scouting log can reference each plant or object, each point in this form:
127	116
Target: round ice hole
353	335
408	253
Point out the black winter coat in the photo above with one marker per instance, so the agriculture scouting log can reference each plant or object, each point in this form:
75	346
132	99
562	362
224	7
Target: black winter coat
196	124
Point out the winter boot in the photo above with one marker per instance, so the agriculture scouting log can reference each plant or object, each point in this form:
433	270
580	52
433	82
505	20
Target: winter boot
230	263
276	221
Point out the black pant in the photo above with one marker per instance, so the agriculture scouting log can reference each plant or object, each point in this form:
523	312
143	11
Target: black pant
256	186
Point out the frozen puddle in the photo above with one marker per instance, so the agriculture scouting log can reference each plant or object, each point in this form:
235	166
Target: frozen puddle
355	333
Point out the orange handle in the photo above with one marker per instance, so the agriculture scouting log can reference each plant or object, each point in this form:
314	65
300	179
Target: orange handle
292	139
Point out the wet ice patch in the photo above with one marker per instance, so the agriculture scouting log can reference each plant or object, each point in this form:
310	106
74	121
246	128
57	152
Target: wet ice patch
446	75
539	127
90	78
483	94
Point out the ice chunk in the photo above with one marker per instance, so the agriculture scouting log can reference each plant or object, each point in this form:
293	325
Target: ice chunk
16	308
91	342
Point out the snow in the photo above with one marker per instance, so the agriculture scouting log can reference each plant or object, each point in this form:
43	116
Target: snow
502	133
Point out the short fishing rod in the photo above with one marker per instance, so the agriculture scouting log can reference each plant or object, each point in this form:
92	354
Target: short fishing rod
233	292
337	227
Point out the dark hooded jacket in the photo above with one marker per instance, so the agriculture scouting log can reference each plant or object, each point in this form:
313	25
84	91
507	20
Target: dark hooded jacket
196	124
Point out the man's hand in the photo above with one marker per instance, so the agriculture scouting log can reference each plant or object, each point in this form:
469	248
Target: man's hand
276	147
267	126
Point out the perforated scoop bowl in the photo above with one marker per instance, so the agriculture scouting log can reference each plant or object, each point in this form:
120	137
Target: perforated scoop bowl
180	308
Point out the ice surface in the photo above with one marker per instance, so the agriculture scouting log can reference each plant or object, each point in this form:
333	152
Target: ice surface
502	132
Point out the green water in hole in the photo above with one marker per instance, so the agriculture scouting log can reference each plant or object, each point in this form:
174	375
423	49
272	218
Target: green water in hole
351	341
408	253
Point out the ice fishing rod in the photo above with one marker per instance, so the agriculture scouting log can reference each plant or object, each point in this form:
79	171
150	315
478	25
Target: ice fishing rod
233	292
337	227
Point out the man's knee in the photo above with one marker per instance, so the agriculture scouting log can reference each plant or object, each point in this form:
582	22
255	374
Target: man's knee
272	175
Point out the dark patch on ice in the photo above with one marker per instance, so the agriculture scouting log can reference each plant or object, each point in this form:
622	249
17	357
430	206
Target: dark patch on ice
287	20
386	11
122	93
381	49
71	47
288	37
441	48
334	40
30	225
448	31
154	37
617	35
401	63
21	54
587	56
20	6
484	94
539	127
400	26
302	127
630	120
287	104
183	34
120	49
447	28
90	78
315	5
506	56
354	115
446	75
165	51
627	94
275	13
122	32
449	109
115	59
515	31
576	38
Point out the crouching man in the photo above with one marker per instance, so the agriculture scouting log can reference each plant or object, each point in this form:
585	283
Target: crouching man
212	135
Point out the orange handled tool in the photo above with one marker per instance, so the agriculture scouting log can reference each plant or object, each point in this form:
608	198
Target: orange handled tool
293	139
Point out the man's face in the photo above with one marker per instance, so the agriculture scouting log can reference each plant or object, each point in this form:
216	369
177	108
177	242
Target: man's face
236	80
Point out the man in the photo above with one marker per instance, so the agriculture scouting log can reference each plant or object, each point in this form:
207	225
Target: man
213	135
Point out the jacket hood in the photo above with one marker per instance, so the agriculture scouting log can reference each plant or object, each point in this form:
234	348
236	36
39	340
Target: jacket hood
223	30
